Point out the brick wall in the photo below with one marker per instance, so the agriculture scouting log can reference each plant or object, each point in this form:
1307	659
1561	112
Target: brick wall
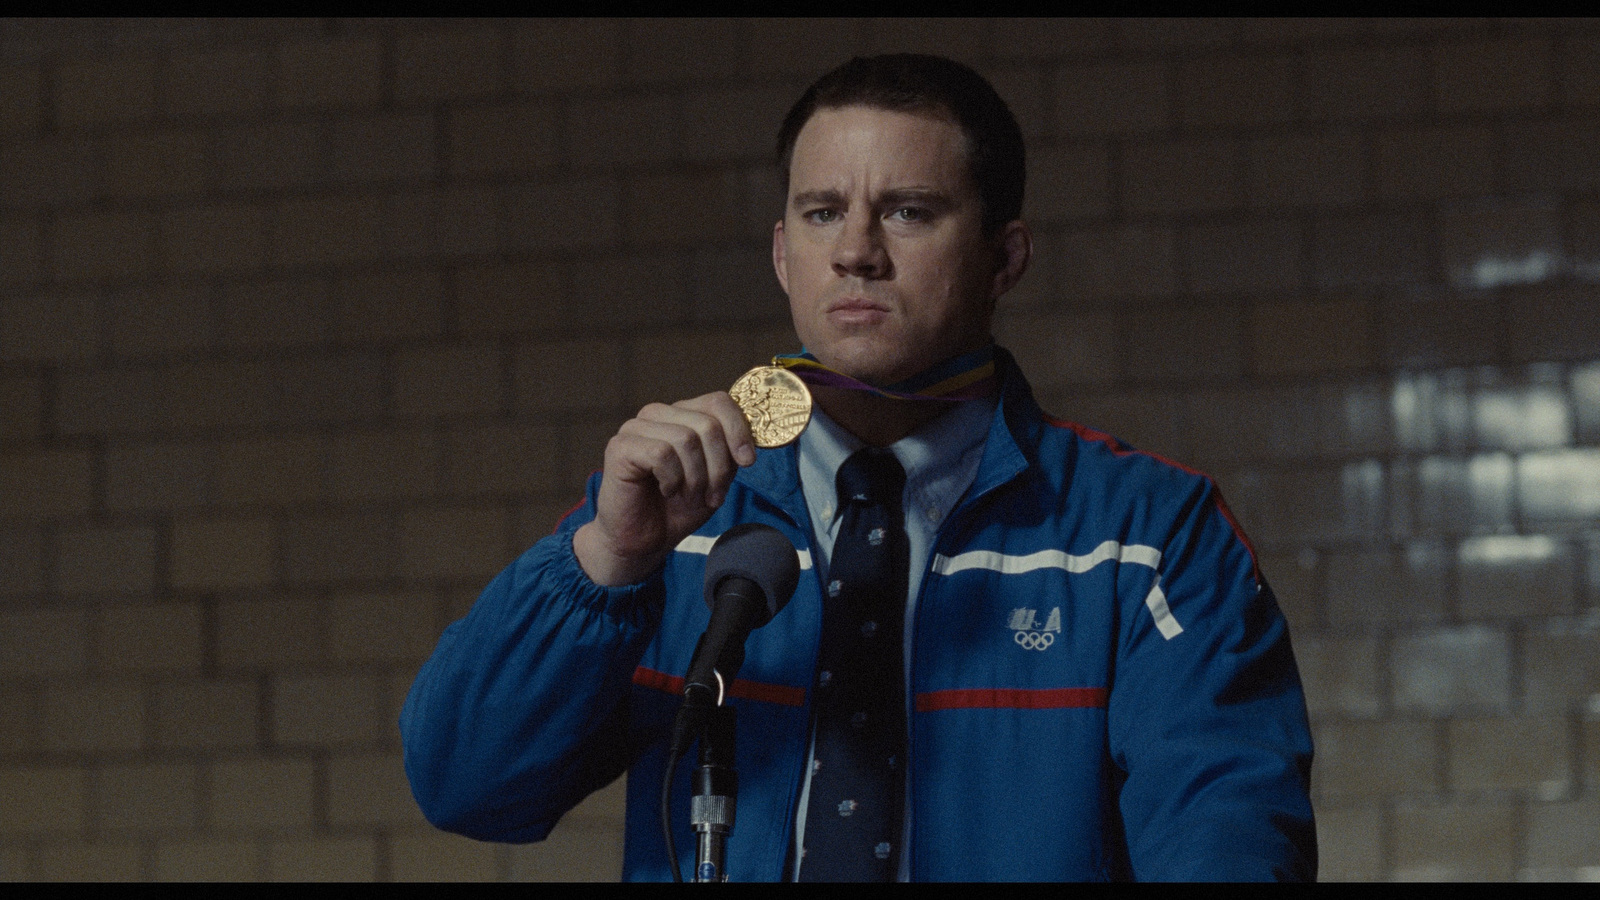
308	327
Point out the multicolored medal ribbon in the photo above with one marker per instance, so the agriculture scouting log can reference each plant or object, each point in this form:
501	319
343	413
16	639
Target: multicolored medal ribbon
778	406
965	377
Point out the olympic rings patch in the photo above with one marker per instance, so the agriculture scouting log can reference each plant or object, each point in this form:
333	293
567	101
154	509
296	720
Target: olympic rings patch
1026	631
1034	640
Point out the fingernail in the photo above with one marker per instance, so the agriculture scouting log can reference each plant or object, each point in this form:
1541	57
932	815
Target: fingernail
746	455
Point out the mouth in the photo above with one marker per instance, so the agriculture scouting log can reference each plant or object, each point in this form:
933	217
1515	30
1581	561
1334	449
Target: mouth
857	305
857	312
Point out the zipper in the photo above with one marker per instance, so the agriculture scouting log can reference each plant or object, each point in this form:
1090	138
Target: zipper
947	527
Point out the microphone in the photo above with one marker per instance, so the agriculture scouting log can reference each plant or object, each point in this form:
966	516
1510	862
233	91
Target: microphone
751	572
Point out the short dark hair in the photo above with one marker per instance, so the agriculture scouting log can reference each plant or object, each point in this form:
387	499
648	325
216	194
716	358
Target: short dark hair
930	85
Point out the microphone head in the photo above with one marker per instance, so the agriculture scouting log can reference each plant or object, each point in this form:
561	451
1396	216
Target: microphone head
759	553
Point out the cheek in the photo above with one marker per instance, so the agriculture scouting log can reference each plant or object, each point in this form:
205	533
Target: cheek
947	287
959	294
800	265
803	291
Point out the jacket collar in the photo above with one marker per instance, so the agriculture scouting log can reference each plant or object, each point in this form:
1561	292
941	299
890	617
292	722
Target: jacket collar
775	476
1013	440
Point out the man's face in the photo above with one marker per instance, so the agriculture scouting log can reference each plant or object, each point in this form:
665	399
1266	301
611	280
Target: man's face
881	247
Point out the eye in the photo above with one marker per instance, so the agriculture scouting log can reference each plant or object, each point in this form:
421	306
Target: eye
822	216
909	214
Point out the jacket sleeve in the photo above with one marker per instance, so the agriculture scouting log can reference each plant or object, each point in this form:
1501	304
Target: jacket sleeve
521	710
1207	718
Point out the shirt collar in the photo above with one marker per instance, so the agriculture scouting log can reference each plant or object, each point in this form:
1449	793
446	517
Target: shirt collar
940	459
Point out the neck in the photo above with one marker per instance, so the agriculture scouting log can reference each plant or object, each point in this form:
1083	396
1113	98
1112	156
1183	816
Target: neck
877	421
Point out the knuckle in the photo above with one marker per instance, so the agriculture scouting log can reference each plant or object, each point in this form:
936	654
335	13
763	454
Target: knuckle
660	454
711	433
693	443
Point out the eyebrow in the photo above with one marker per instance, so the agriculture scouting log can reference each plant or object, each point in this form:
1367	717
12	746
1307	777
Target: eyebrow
823	197
924	196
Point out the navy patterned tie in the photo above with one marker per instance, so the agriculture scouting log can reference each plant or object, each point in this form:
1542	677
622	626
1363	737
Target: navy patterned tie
853	820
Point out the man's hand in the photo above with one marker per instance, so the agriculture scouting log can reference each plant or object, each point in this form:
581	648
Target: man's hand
666	471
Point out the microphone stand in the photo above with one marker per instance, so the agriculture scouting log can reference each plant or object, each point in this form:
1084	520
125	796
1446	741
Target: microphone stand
716	783
715	798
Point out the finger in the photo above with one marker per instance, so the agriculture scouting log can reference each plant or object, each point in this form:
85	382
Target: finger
675	455
735	427
711	422
729	444
640	458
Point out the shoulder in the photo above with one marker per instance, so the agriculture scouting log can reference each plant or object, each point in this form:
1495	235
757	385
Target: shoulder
1089	456
1118	479
1072	455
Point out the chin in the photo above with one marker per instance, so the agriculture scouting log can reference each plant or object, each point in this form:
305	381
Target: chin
874	357
874	370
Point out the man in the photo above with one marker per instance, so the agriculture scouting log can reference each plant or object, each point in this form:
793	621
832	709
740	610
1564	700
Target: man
1081	674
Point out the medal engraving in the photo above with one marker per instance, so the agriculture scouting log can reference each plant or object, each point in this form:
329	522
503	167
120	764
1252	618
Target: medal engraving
775	402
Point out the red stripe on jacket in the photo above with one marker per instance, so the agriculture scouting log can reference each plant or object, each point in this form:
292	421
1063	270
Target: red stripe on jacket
961	698
1012	698
783	695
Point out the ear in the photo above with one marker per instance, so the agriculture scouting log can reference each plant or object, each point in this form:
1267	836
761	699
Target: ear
779	261
1014	249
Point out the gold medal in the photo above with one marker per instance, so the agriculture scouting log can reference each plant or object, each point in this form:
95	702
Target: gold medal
775	402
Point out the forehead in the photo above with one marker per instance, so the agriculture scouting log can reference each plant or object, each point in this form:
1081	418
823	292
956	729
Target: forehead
849	143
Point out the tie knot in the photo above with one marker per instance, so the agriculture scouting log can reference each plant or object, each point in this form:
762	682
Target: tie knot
871	475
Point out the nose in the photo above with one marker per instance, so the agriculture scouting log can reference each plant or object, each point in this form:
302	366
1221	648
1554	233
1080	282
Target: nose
859	249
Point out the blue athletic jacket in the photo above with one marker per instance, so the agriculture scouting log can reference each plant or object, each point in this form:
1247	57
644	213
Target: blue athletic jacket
1102	685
